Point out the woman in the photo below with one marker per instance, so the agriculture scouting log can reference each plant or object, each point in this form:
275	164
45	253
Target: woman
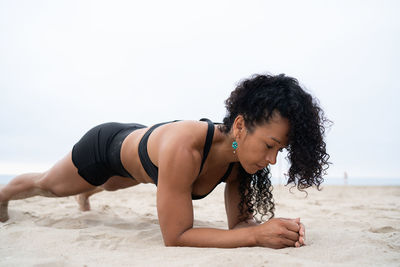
187	159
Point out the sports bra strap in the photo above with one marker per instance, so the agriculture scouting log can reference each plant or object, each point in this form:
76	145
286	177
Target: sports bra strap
152	169
209	137
147	164
228	172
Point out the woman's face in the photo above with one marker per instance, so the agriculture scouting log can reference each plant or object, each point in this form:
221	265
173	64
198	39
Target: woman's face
258	149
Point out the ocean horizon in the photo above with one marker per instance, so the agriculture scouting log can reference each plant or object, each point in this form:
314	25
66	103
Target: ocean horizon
357	181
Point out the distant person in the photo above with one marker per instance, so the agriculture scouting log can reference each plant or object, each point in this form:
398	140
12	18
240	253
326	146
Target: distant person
188	159
345	177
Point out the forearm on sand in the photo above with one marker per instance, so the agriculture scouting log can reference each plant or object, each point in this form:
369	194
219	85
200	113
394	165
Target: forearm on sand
217	238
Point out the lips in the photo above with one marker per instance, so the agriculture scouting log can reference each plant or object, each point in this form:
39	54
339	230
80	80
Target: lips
260	166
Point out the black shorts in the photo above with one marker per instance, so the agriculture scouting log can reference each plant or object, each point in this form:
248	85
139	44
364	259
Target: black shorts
98	154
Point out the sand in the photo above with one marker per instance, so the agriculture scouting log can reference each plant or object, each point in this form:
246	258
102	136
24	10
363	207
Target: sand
345	226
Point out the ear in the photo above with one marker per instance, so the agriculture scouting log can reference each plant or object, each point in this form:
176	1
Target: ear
238	126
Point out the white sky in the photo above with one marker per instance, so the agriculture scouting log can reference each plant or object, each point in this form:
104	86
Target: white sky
66	66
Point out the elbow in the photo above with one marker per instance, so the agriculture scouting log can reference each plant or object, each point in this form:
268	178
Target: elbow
174	241
171	243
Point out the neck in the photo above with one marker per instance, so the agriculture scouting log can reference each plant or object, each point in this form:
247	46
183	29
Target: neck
223	148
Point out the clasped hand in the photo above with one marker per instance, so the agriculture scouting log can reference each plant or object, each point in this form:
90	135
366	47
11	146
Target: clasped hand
281	233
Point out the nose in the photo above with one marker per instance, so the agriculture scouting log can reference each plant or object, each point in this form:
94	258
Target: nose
271	158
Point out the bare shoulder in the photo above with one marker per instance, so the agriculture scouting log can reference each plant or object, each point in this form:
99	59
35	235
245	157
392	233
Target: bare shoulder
192	132
179	155
176	137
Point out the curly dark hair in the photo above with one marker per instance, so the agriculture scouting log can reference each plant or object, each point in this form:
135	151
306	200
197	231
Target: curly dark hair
257	99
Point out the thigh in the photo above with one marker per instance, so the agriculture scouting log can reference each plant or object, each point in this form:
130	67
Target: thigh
119	182
63	179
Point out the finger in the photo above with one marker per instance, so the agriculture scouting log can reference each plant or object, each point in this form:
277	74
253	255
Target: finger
302	233
297	220
288	242
302	230
291	235
289	219
291	225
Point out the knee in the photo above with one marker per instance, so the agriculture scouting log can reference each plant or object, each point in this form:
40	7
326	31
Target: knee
110	186
44	187
118	182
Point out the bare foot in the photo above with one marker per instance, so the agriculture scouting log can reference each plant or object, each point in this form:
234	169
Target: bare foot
83	201
4	211
83	198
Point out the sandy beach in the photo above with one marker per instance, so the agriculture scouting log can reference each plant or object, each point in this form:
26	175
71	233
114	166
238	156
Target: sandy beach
345	226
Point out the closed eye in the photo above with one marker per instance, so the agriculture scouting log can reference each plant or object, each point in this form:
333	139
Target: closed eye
270	147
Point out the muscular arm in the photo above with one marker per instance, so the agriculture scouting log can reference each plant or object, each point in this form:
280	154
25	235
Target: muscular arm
178	169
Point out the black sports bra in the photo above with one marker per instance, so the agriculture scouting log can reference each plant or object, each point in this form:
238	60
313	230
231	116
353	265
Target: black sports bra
152	170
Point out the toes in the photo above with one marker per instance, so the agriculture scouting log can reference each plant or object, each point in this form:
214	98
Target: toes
4	218
4	212
3	215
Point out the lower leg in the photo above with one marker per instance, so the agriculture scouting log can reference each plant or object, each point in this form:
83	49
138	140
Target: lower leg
22	186
61	180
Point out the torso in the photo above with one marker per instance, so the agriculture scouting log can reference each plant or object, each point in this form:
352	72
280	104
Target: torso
191	134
